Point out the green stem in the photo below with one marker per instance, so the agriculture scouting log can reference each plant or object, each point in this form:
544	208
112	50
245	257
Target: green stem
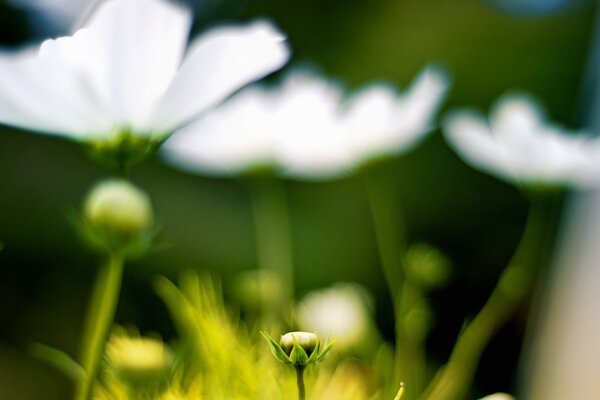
413	346
515	284
391	243
100	317
273	241
300	381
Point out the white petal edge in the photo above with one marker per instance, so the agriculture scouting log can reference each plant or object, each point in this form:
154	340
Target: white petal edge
468	133
217	64
43	92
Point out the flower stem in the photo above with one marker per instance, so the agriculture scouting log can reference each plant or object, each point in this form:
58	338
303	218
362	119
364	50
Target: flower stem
300	381
273	241
388	223
100	317
515	284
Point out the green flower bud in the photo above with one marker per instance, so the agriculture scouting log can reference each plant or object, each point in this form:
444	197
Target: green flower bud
118	215
426	266
299	348
308	341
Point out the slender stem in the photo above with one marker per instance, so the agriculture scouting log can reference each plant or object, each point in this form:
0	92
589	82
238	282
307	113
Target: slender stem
273	239
390	236
413	346
300	381
515	284
100	317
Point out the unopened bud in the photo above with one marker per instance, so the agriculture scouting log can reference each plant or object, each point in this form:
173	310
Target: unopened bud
118	214
299	348
306	340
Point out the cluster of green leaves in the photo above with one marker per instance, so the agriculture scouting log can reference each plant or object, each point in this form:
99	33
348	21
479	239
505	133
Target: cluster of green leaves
218	357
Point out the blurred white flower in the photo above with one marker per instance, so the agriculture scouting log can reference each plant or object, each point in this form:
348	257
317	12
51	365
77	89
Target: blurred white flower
520	146
305	128
342	311
128	71
498	396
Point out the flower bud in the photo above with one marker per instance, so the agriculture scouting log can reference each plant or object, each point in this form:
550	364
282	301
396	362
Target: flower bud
427	266
306	340
299	348
118	214
498	396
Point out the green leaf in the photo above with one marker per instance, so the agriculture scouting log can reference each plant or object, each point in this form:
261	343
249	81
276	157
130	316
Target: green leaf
323	355
276	349
59	360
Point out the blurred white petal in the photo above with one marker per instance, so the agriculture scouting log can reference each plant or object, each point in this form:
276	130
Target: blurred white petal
139	45
311	142
123	72
217	64
38	91
219	144
305	129
381	121
519	146
470	135
342	311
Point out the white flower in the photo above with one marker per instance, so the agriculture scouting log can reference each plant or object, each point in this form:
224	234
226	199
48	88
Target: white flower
341	310
520	146
128	71
305	128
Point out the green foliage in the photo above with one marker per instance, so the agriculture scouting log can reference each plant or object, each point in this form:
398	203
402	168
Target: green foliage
221	359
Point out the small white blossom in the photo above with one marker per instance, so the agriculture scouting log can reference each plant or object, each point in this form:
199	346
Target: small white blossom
306	128
128	70
520	146
341	311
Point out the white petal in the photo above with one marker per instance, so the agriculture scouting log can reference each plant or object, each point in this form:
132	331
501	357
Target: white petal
311	143
516	113
44	92
230	139
368	120
470	136
417	110
217	64
139	45
384	122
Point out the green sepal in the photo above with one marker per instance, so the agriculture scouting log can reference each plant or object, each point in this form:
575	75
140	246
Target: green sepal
323	354
315	354
298	355
276	349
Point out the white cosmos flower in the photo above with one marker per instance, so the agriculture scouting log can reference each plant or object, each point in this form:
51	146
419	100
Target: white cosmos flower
520	146
342	310
307	128
128	70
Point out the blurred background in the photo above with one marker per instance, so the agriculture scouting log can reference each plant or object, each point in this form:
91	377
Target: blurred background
488	46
